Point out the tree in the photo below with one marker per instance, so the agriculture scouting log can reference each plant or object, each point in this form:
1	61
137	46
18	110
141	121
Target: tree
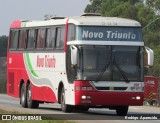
94	7
3	46
155	5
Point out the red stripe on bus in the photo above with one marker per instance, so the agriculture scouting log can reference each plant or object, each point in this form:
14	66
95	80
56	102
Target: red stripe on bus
66	36
16	24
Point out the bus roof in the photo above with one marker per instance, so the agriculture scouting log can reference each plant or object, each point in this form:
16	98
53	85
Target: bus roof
103	21
79	20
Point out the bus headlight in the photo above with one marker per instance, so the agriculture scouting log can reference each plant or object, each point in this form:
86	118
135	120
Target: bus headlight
83	97
138	97
86	97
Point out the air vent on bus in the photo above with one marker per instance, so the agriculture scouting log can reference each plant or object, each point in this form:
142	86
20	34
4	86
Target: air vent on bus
25	20
57	17
115	88
91	14
11	82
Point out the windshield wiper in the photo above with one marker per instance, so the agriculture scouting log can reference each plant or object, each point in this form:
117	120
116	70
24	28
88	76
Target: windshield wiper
121	71
102	72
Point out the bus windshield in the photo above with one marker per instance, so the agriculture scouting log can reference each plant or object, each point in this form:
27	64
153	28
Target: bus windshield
90	33
115	63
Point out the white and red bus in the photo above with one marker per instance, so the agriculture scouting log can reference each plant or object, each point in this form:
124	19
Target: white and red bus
79	62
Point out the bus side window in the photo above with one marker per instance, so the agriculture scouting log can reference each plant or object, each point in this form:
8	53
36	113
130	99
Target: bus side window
22	39
50	40
13	39
40	38
31	39
60	37
71	32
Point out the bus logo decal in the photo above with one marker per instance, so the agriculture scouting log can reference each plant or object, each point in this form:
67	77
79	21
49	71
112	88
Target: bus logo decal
46	61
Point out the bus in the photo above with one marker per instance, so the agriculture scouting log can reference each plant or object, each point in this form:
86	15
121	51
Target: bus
81	62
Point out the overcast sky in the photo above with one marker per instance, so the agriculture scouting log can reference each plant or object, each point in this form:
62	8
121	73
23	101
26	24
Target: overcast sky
36	9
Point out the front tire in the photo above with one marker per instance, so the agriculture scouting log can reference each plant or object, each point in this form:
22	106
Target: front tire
31	103
81	108
23	96
85	109
65	108
122	110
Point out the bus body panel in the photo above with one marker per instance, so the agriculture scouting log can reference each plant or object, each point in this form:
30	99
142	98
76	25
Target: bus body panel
44	72
46	69
16	73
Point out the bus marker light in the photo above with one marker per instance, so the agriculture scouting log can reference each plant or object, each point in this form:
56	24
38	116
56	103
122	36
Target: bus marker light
88	97
133	98
89	88
77	88
84	88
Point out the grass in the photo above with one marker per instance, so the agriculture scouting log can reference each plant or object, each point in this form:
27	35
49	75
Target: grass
30	121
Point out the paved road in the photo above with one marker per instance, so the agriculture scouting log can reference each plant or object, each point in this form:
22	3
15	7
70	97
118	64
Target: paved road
92	116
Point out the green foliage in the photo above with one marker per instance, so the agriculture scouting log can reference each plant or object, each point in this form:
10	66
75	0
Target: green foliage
3	53
154	4
3	46
147	12
155	70
118	8
94	7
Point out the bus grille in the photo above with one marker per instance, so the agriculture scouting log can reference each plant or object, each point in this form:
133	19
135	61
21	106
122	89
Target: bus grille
111	88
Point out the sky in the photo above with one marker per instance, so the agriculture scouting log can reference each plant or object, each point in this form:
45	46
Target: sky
11	10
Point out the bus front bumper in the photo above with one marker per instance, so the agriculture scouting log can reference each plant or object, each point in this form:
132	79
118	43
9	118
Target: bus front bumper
109	98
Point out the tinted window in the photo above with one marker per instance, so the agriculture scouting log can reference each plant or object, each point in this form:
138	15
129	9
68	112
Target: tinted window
71	33
14	39
22	39
60	38
40	38
50	41
31	39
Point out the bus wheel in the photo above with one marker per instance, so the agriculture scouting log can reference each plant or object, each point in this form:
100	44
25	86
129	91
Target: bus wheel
31	103
23	96
153	103
65	107
85	109
81	108
122	110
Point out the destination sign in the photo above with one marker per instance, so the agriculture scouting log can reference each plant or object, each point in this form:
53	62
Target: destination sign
110	33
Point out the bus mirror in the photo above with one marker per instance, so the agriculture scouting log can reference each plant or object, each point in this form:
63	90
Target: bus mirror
74	55
150	56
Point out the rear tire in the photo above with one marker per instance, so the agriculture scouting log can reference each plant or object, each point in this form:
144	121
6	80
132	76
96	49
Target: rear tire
122	110
65	108
31	103
23	96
